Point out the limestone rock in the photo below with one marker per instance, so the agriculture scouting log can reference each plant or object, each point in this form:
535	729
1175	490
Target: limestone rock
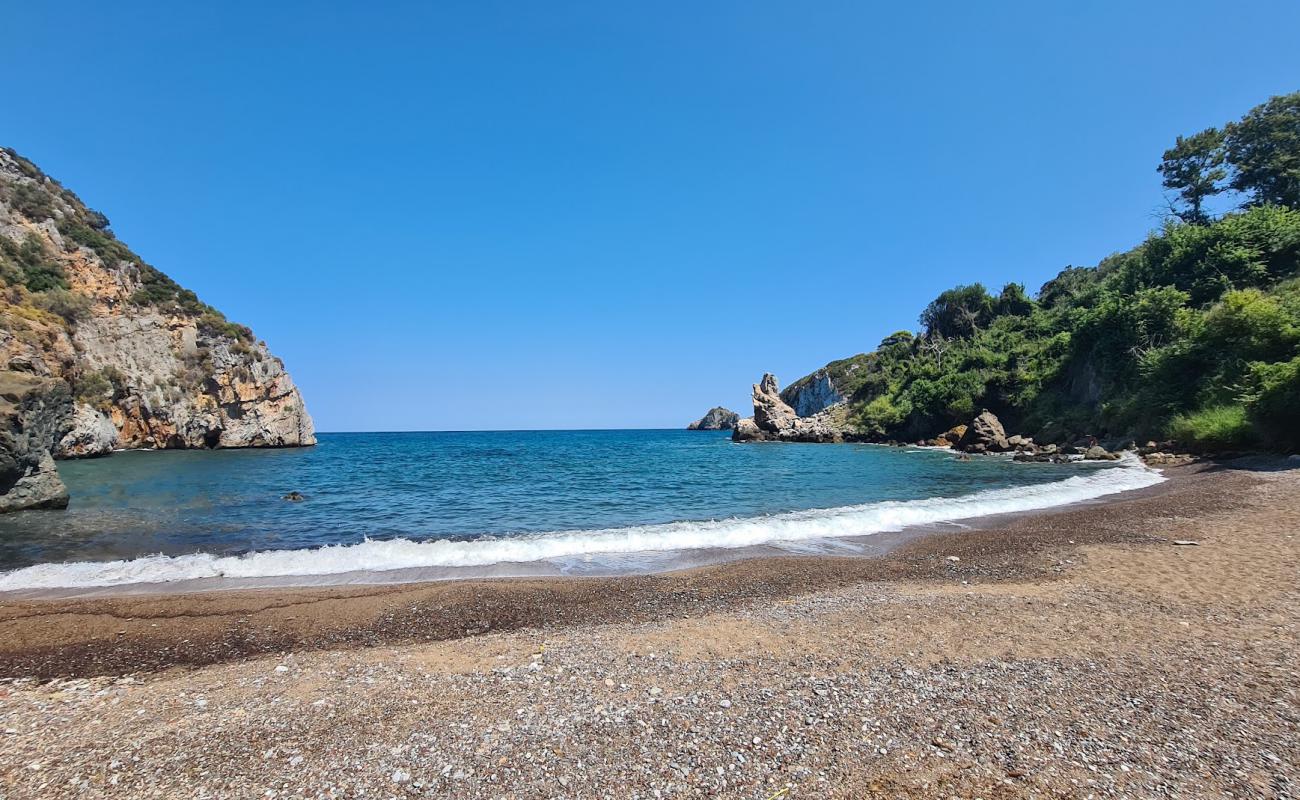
774	420
812	394
717	419
168	371
93	434
35	412
746	430
984	435
771	413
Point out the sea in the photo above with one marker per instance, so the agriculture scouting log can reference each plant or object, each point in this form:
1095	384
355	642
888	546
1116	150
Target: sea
412	506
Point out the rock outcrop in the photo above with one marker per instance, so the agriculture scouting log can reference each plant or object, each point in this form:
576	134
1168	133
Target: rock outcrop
35	413
92	434
142	355
985	434
717	419
775	420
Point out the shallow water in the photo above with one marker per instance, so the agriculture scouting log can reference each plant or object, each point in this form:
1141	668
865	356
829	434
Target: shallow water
391	501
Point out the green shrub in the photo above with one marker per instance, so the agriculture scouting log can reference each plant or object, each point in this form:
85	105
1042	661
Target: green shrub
31	200
70	305
29	264
882	415
1222	427
1274	404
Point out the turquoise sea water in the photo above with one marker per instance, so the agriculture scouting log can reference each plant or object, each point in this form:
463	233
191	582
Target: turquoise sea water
379	501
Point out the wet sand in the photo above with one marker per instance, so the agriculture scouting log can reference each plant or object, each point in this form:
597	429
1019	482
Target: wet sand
1073	653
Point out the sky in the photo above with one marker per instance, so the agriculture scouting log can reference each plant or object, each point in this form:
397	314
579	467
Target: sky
484	215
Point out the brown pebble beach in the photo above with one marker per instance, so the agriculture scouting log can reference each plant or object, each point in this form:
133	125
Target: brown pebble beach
1068	654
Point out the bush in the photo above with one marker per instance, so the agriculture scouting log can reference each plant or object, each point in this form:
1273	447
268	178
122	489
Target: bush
1222	427
68	304
29	264
882	415
1274	404
32	201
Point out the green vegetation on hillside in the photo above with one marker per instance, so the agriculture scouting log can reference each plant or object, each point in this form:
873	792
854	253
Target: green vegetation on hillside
1193	334
31	277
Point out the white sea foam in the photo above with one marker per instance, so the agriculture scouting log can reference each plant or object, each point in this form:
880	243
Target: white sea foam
392	554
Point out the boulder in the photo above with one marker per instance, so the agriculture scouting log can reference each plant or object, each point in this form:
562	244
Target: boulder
953	435
746	430
1099	453
718	419
35	413
984	435
93	434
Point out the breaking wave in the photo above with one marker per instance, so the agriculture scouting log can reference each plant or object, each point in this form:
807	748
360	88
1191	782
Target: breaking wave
393	554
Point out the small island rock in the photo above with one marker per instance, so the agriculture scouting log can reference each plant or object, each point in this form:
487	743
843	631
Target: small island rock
717	419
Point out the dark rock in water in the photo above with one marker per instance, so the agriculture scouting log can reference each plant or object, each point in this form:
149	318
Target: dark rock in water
985	434
294	497
1042	457
35	413
718	419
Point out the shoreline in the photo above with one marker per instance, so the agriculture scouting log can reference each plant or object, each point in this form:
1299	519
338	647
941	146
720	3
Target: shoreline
1074	653
114	632
867	529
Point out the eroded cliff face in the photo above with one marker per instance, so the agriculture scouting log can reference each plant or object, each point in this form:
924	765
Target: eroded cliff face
148	364
812	394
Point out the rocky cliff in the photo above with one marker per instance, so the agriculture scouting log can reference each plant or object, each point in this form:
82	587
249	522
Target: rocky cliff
147	363
813	394
718	419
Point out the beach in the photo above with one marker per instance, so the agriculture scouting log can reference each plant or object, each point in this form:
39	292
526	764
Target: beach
1078	652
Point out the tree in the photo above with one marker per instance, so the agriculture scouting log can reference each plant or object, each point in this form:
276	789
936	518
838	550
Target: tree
959	312
1193	167
1264	152
1013	301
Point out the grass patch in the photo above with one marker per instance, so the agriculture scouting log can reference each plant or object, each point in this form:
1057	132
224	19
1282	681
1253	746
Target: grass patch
1223	427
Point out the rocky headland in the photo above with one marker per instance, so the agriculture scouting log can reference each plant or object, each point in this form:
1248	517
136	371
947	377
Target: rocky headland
142	362
775	419
717	419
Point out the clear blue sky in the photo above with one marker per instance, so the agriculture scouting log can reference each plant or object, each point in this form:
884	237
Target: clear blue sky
538	215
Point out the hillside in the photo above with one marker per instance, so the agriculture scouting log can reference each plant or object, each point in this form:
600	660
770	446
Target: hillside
1193	335
148	364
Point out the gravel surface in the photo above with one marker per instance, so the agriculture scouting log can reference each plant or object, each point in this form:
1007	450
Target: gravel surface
1131	667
